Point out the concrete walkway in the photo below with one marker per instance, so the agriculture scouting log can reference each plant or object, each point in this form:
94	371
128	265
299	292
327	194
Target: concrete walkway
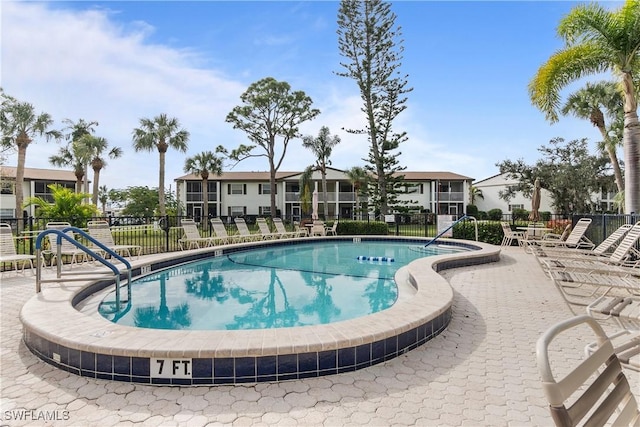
480	371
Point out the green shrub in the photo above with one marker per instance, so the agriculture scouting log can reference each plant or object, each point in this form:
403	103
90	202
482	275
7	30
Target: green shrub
488	232
472	210
362	228
545	216
520	214
495	214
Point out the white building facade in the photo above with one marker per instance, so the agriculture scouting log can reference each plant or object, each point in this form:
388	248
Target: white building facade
35	184
248	193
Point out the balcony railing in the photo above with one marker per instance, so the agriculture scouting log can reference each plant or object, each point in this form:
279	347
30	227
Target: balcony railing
331	197
451	197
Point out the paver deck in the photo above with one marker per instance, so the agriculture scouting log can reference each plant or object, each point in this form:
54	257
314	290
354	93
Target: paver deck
480	371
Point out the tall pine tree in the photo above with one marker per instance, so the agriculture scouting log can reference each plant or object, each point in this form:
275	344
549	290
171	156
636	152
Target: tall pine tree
372	46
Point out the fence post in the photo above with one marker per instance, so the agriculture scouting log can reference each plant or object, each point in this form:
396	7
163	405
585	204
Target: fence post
166	232
30	235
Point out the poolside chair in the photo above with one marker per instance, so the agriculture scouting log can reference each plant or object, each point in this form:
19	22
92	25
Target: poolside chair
244	234
607	245
596	391
575	239
318	229
265	231
625	256
8	253
509	235
281	229
192	238
66	248
221	232
101	231
332	230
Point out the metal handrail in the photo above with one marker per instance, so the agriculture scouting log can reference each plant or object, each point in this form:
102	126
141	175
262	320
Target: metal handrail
61	234
452	225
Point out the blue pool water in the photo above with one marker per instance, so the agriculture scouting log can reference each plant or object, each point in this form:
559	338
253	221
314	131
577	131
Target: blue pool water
276	286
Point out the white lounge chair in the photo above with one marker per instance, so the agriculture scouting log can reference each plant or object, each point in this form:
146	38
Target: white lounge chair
192	238
221	232
101	231
608	245
243	230
66	248
282	230
622	261
596	391
265	231
8	253
575	239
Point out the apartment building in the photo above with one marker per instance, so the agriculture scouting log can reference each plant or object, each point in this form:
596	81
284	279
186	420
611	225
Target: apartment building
36	182
248	194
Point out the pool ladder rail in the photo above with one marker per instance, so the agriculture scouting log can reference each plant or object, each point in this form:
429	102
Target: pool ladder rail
83	276
462	218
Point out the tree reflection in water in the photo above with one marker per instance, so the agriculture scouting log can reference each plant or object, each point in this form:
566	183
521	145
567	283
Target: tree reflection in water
163	317
205	287
265	312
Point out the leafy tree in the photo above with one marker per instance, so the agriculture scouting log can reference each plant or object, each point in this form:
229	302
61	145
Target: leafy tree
67	157
567	171
270	111
588	103
597	40
142	202
20	124
161	133
321	148
66	206
204	164
373	49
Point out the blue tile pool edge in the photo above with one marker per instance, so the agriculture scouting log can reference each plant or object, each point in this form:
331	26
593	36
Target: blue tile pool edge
248	369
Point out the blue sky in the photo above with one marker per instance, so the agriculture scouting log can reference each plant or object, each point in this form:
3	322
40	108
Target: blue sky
469	64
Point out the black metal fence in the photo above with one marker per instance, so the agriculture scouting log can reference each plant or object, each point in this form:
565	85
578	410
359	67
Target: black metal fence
161	234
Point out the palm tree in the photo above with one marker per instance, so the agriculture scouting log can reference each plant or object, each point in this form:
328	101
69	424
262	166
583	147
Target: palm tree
103	197
588	103
98	146
475	193
598	40
360	180
321	148
20	124
203	164
160	133
67	158
80	153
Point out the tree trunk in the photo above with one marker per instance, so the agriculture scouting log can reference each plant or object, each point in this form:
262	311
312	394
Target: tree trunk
96	179
324	194
161	201
22	142
631	138
613	158
272	183
205	198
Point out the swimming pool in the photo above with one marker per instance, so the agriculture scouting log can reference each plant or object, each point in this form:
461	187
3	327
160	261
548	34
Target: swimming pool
84	343
272	287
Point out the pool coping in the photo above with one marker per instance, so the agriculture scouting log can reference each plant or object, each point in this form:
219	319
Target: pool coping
72	334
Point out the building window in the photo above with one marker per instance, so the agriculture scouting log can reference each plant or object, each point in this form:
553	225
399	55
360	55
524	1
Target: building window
512	207
42	190
7	187
7	213
265	189
237	189
237	211
264	210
